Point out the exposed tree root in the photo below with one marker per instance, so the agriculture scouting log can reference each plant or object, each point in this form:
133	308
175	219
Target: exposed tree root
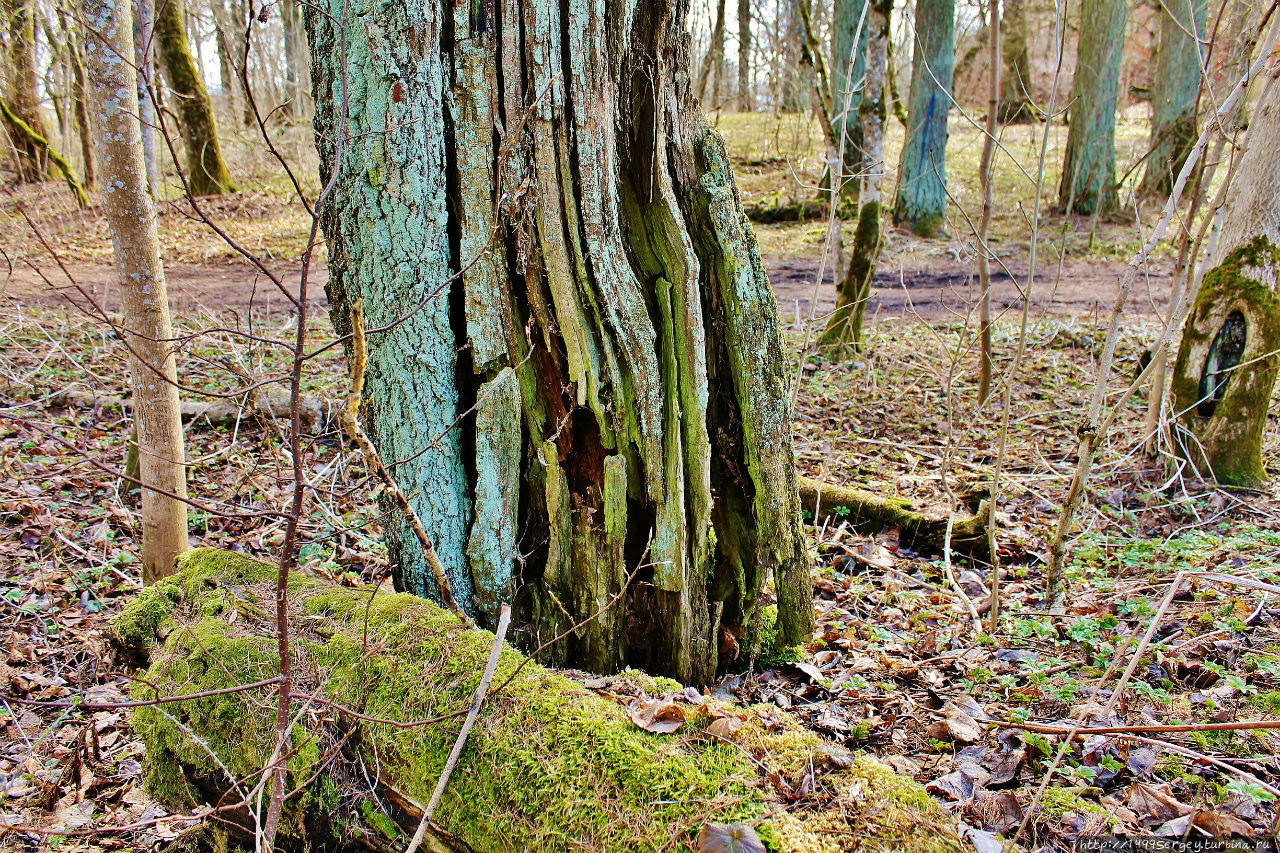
870	513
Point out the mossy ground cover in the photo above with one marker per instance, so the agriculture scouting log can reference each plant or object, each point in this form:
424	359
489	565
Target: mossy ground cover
551	766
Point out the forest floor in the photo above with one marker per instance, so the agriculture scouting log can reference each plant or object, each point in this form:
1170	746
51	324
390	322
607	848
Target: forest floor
898	667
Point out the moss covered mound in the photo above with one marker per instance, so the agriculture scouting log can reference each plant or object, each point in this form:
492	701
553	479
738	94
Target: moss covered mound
549	766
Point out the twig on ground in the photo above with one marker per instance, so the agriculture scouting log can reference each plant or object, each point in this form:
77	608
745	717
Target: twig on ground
504	619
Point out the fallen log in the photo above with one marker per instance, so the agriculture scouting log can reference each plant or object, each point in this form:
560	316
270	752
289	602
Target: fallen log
551	765
869	513
318	413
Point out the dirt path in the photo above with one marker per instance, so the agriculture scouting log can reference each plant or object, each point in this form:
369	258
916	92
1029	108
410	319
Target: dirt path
933	288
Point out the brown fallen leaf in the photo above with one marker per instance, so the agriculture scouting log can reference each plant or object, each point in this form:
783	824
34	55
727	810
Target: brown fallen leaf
660	716
1155	802
725	727
955	725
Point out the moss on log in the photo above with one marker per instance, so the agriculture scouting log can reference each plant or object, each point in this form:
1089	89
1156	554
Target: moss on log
551	765
870	513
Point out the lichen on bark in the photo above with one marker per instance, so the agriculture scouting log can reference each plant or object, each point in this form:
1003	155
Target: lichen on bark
580	386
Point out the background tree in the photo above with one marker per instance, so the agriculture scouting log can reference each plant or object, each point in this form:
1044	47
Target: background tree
843	332
921	201
848	65
1227	362
206	171
642	425
1015	81
148	330
1174	86
746	99
713	62
1089	165
21	97
297	86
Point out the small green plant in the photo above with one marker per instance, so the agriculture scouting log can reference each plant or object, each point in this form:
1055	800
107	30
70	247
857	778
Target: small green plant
1253	791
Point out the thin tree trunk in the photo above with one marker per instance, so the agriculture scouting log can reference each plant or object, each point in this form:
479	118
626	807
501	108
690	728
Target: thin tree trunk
713	61
986	356
206	171
1227	364
921	201
297	87
80	111
227	65
22	98
148	330
1175	84
651	375
746	98
1015	84
144	57
843	333
1089	167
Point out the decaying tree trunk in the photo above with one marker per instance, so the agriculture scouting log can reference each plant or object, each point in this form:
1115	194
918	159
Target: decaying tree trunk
1089	167
596	407
921	202
153	371
552	766
1175	81
1227	362
206	171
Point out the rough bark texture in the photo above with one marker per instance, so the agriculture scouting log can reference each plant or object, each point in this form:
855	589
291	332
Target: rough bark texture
551	766
612	325
80	111
746	97
1227	363
1089	167
713	63
849	29
1015	82
1175	82
206	171
21	97
148	331
921	201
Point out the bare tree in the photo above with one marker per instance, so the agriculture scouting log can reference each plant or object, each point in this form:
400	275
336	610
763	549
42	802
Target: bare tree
148	330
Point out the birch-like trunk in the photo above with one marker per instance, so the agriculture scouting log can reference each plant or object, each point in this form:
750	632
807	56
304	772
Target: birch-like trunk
1227	360
592	418
148	331
746	98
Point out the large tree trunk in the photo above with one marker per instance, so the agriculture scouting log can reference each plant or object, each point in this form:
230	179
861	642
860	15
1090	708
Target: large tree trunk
22	98
612	325
849	29
206	171
746	98
1175	83
921	201
149	333
1227	363
552	765
1015	83
1089	167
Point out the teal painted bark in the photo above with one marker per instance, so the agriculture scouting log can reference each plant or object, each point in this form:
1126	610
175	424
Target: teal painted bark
1089	167
921	200
1175	83
848	67
534	187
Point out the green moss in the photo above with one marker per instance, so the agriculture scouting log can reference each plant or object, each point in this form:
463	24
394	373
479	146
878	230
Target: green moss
136	627
550	765
1057	802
